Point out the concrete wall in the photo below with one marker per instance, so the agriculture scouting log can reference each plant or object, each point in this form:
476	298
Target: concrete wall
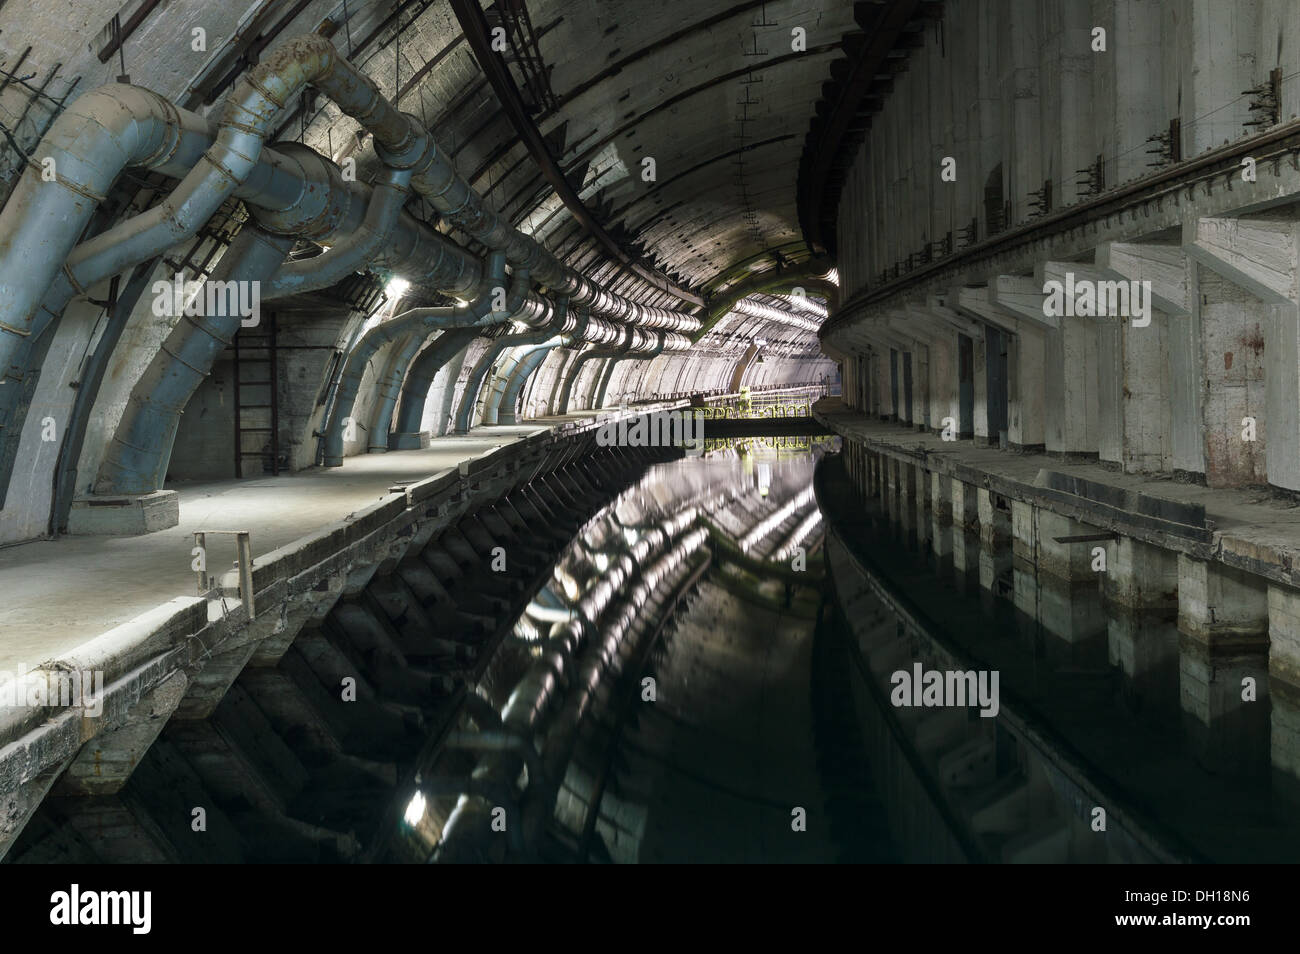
1204	386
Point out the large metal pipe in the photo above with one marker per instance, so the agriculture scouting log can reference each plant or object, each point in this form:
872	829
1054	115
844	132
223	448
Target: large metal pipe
756	309
634	341
470	399
260	96
89	145
402	143
476	313
599	402
137	456
575	371
527	362
519	305
355	251
419	379
293	191
437	180
105	131
232	157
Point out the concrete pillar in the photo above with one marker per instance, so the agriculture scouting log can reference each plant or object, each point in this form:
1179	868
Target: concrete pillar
1072	367
887	363
921	476
941	523
1140	586
1026	371
1013	306
921	387
1033	375
1251	340
1223	619
995	543
1150	400
965	534
943	385
981	415
1284	683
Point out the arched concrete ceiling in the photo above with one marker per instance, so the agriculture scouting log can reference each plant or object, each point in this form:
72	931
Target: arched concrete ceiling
712	91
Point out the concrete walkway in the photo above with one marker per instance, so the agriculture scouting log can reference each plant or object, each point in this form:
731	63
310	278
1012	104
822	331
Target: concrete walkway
59	593
1248	524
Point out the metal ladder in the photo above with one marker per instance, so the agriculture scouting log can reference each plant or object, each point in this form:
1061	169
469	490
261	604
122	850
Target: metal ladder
257	411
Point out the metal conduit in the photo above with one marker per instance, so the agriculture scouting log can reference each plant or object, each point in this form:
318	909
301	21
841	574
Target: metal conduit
756	309
419	379
470	399
521	359
516	303
609	373
529	361
137	457
115	127
633	341
473	314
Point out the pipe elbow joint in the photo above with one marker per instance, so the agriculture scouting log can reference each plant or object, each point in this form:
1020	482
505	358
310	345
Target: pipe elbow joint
411	153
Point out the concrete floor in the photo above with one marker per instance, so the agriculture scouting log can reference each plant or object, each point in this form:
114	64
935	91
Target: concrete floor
60	593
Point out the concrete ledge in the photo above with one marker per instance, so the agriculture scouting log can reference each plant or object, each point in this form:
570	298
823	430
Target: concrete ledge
473	466
124	516
446	482
409	440
1169	516
1236	530
114	653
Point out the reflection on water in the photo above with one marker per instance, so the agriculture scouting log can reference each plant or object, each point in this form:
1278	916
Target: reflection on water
751	750
1108	712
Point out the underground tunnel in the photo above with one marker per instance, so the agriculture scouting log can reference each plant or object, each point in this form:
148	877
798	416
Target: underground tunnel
578	431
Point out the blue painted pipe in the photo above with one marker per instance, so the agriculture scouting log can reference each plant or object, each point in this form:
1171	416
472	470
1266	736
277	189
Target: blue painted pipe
529	361
517	303
609	372
468	401
619	347
415	388
418	321
137	457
